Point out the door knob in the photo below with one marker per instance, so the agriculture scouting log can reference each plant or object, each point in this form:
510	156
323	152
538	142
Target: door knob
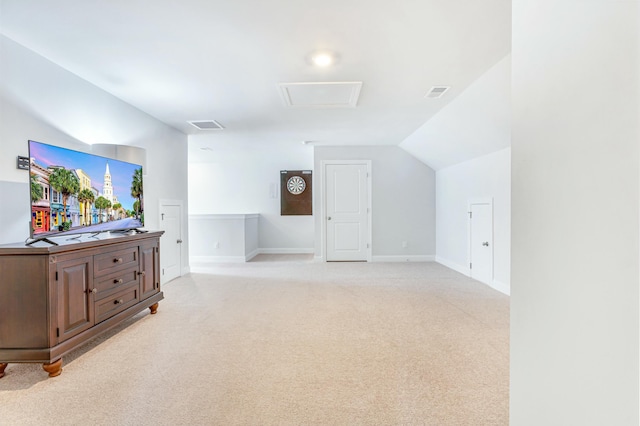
329	218
486	244
179	241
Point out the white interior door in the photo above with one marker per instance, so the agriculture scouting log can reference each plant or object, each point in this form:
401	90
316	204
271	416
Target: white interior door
481	242
171	241
347	217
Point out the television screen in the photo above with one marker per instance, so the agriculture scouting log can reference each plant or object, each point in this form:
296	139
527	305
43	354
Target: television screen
76	192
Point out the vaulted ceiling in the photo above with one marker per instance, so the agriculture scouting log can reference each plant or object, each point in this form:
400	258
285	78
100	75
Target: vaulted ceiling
225	60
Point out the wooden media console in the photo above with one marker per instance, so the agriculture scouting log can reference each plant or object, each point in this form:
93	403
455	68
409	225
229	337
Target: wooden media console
55	298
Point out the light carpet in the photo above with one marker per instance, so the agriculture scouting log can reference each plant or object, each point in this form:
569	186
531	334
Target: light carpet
283	340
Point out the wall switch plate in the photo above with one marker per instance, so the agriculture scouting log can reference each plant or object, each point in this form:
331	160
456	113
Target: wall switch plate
23	163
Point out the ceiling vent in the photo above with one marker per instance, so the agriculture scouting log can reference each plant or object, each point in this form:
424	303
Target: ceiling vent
321	94
206	125
437	91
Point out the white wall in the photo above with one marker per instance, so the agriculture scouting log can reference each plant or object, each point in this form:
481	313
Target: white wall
476	123
403	201
41	101
488	176
468	142
575	230
223	237
236	177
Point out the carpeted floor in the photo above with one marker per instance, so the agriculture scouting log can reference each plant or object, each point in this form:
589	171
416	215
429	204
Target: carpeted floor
282	340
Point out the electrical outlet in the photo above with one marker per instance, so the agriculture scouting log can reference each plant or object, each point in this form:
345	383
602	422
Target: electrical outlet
216	245
405	244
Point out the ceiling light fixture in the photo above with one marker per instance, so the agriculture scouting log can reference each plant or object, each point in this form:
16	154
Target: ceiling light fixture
322	58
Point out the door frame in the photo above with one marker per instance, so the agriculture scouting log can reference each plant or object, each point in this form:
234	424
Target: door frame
185	241
470	202
323	198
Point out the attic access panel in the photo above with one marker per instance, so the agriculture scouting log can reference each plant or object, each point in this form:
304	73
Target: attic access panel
295	193
342	94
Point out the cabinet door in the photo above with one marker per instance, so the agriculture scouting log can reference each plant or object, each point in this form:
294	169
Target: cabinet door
149	269
75	297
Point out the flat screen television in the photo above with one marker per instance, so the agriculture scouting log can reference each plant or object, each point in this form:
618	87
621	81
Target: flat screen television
73	192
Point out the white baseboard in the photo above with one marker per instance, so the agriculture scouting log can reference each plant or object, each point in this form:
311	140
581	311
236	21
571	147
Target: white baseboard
501	287
452	265
251	255
216	259
403	258
248	257
496	285
286	250
318	258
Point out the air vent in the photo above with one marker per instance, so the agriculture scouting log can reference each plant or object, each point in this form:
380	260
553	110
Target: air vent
437	91
206	125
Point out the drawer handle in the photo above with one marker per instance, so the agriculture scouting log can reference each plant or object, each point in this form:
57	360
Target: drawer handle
92	290
141	273
119	281
118	260
118	301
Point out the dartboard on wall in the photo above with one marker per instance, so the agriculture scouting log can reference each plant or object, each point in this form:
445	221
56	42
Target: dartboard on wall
295	192
296	185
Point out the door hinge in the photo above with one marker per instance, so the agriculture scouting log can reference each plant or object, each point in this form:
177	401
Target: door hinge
162	271
56	275
470	215
367	245
470	266
57	332
156	249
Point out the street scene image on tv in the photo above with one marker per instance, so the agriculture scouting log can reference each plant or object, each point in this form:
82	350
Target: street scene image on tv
76	192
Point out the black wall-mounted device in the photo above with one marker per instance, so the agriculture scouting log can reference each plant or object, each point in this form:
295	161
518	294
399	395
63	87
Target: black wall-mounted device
23	163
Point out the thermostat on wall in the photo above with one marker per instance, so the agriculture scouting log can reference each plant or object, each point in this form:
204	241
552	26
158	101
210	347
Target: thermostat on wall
23	163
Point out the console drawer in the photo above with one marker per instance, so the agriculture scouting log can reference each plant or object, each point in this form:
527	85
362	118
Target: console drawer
108	263
114	282
110	306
